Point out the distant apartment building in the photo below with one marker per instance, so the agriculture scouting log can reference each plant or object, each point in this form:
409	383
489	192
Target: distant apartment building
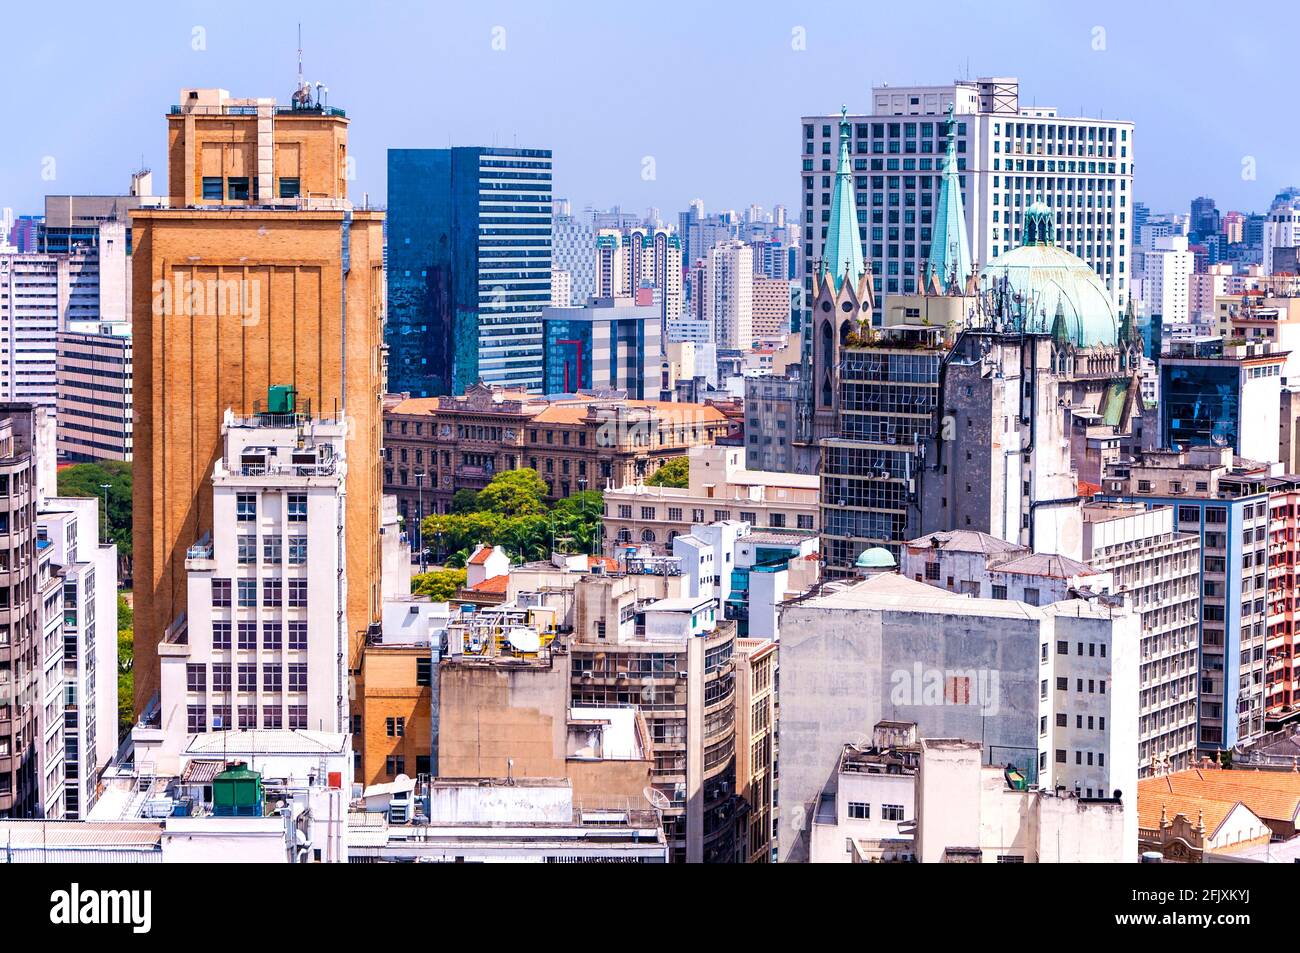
469	267
436	446
264	643
728	294
1167	279
770	307
573	253
1010	154
1158	572
720	488
95	407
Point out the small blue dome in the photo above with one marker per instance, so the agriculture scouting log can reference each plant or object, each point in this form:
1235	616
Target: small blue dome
876	557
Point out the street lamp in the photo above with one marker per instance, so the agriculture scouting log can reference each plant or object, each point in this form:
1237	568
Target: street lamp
105	487
419	513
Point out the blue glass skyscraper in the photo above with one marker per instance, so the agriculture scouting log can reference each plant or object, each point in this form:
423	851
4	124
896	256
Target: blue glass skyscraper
469	267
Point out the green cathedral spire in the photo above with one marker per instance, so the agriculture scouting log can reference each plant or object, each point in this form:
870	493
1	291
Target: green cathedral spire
842	251
949	260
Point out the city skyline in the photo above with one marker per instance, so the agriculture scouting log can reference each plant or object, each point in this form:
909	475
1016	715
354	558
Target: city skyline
797	62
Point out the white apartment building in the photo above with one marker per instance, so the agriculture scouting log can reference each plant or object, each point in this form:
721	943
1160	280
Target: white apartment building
1167	279
573	251
1157	569
264	644
1281	228
81	658
1009	156
729	294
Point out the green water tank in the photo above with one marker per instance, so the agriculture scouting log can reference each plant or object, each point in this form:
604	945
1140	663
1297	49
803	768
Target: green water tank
280	399
237	792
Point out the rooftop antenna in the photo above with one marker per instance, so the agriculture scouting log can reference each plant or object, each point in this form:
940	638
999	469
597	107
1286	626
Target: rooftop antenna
300	56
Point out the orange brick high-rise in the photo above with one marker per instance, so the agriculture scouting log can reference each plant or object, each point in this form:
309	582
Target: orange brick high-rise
257	272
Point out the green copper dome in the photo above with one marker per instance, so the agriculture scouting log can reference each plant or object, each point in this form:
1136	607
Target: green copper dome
876	558
1043	279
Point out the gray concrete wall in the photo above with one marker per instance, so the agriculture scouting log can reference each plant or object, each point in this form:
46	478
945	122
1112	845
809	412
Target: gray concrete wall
843	670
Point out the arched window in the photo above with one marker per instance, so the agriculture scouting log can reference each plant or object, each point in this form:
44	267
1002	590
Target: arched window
624	535
647	536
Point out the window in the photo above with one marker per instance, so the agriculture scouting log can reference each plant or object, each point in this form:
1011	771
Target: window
247	547
298	593
212	188
221	677
272	716
999	592
297	716
891	812
297	507
859	810
221	593
272	678
246	508
237	188
932	571
297	635
298	676
221	635
271	635
247	717
395	764
248	593
247	677
805	521
297	550
196	678
248	635
272	593
289	187
395	727
271	551
424	671
196	721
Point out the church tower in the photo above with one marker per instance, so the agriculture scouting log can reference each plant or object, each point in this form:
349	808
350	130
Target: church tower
843	299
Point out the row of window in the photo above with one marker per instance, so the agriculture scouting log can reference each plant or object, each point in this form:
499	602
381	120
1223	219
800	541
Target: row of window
272	680
237	188
272	593
246	508
196	717
272	635
272	550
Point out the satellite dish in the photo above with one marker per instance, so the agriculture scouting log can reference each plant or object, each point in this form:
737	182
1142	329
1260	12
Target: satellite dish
525	640
658	800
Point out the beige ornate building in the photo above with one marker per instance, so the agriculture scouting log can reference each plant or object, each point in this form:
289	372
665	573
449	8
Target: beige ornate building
434	446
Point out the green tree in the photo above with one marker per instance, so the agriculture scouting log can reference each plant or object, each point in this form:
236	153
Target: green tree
514	493
526	538
674	471
464	500
440	585
85	479
449	532
578	521
125	665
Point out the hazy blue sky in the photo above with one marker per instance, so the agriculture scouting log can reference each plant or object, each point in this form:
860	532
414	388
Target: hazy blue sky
711	89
